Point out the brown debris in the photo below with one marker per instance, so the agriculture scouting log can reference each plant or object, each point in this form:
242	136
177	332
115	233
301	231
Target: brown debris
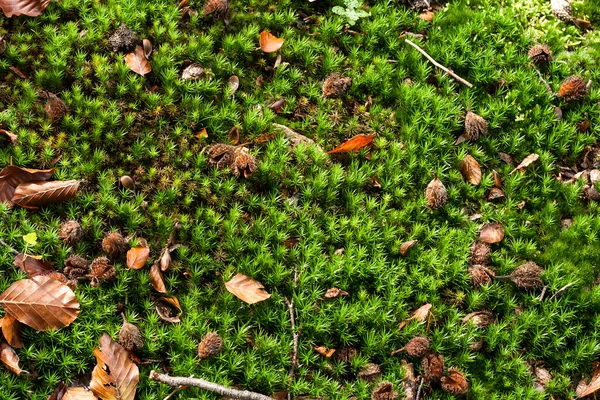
480	319
369	372
480	253
217	7
540	54
474	126
384	391
346	354
76	267
526	276
130	336
101	270
237	159
70	232
436	194
192	72
124	39
334	293
481	275
573	89
55	108
455	382
114	244
416	347
406	246
433	367
210	346
335	85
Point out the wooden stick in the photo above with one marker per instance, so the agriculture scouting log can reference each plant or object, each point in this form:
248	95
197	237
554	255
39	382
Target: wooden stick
545	83
3	243
440	66
292	372
177	381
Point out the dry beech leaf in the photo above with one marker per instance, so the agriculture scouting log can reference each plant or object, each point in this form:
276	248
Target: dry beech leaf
406	246
354	144
78	393
169	309
10	359
11	330
436	194
11	137
247	289
497	179
59	392
584	389
30	8
491	233
38	194
147	45
12	176
137	257
157	280
420	314
526	162
427	15
234	84
32	266
137	61
277	105
334	293
324	351
470	170
270	43
115	376
165	260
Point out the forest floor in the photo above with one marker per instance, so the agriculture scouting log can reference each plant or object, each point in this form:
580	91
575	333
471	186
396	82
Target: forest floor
302	221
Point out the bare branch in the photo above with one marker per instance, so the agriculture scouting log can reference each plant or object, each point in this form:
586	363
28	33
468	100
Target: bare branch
292	371
545	83
3	243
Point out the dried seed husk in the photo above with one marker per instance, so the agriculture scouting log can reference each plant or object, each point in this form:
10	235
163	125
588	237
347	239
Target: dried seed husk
455	382
384	391
475	125
406	246
540	54
471	170
210	346
130	336
114	244
481	275
433	367
70	232
480	253
480	319
495	194
416	347
573	89
335	85
526	276
436	194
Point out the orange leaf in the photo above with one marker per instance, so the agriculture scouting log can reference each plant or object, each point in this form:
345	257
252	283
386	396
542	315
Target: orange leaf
491	233
137	61
247	289
11	330
137	257
354	144
427	15
270	43
78	393
10	359
115	376
156	279
324	351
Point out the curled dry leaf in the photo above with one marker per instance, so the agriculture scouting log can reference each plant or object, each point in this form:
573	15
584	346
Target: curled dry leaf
406	246
130	336
455	382
30	8
12	176
234	84
137	61
32	266
10	359
474	126
11	330
420	314
38	194
491	233
354	144
324	351
147	46
585	389
137	257
270	43
10	137
497	179
169	309
247	289
471	170
115	376
526	162
156	279
334	293
41	303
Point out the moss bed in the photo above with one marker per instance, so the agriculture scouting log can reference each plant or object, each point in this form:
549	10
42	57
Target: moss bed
120	123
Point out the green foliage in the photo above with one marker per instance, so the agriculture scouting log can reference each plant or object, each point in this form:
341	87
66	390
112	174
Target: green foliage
351	11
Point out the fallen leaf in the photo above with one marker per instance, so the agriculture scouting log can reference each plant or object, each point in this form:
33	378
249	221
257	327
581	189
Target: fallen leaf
38	194
11	137
436	194
278	105
30	8
354	144
234	84
137	257
12	176
147	46
41	303
247	289
269	43
406	246
526	162
454	382
59	392
201	134
234	135
32	266
169	309
471	170
10	359
78	393
11	330
491	233
325	352
497	179
115	376
506	158
156	279
495	194
584	389
137	61
427	15
334	293
17	71
420	314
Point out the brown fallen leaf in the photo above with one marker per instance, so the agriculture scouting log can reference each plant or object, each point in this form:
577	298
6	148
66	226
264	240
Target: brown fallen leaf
78	393
491	233
169	309
354	144
10	359
436	194
12	176
32	266
147	46
115	376
495	194
526	162
10	137
11	330
247	289
137	61
277	105
334	293
234	135
324	351
420	314
497	179
41	303
38	194
585	389
270	43
59	392
30	8
471	170
157	280
427	15
18	72
573	89
406	246
234	84
137	257
455	382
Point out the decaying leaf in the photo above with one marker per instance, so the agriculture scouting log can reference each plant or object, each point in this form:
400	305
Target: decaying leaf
11	330
480	319
354	144
137	61
334	293
41	303
30	8
419	315
137	257
470	170
526	162
38	194
130	336
474	126
491	233
10	359
278	105
247	289
406	246
32	266
270	43
384	391
115	376
169	309
156	279
10	137
495	194
369	372
78	393
436	194
584	389
147	46
234	84
12	176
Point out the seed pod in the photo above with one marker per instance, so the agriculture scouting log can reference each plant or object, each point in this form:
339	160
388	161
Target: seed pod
210	346
562	10
335	85
471	170
573	89
455	382
237	159
384	391
76	267
124	39
436	194
526	276
55	108
433	367
474	126
417	346
591	193
192	72
130	336
481	275
480	319
369	372
114	244
127	182
480	253
101	270
540	54
70	232
218	7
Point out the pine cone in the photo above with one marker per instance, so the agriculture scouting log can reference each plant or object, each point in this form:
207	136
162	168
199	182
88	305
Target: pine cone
417	346
481	275
114	244
384	391
56	109
237	159
335	85
101	270
574	88
474	126
124	39
455	382
433	367
210	346
130	336
436	194
218	7
540	54
369	372
70	232
480	253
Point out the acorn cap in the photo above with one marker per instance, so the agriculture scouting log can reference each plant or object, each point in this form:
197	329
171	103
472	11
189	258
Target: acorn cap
210	346
480	253
474	126
130	336
70	232
114	244
540	54
335	85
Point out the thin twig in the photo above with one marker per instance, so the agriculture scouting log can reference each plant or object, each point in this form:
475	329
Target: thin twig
177	381
561	290
176	390
419	390
12	250
541	297
545	83
292	371
440	66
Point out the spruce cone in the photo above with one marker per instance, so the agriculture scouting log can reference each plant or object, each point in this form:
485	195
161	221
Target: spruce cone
218	7
436	194
130	336
335	85
70	232
480	253
114	244
210	346
101	270
526	276
433	367
455	382
55	108
369	372
237	159
574	88
481	275
540	54
124	39
417	346
474	126
384	391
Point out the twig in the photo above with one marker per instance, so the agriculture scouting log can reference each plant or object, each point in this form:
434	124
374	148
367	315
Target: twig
561	290
440	66
541	297
292	371
545	83
176	381
176	390
3	243
419	390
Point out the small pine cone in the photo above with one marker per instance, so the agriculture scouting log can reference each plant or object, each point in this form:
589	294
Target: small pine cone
101	270
76	266
346	354
210	346
433	367
481	275
527	276
436	194
55	108
480	253
114	244
455	382
218	7
70	232
124	39
480	319
574	88
562	10
237	159
130	336
417	346
369	372
335	85
540	54
384	391
474	126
